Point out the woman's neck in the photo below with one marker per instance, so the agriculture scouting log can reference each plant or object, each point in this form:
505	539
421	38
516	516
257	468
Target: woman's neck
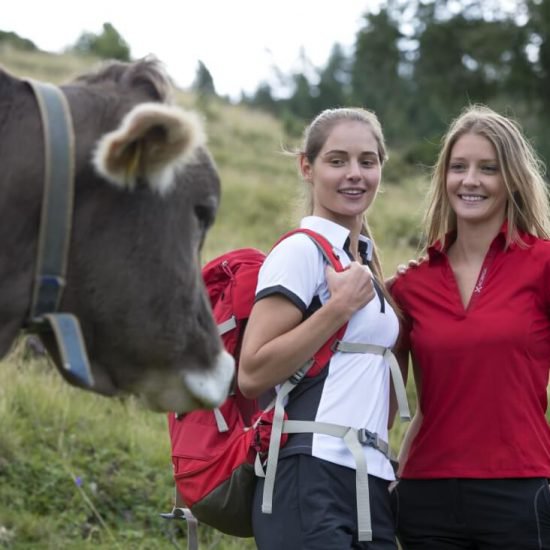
473	241
354	233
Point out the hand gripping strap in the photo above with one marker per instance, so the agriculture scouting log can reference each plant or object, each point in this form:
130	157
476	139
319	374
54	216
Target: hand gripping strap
395	371
323	355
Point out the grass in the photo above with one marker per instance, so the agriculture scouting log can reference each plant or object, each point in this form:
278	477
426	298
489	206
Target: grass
79	471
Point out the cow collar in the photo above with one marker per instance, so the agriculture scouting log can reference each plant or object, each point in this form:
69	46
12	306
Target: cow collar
55	234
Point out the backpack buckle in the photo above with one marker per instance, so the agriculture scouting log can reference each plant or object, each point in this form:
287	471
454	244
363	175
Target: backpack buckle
296	378
368	438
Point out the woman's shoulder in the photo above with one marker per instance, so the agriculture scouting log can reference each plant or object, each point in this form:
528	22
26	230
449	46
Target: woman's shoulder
414	280
413	271
536	247
297	245
297	251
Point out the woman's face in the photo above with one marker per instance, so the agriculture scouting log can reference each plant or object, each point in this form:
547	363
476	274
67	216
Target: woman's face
345	175
475	186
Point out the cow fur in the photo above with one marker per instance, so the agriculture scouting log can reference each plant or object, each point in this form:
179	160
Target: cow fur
140	217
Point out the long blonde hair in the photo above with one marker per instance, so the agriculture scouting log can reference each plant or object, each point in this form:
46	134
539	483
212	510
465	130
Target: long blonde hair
522	171
314	138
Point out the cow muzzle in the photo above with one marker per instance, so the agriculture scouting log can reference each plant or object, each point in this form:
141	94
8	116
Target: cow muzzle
190	389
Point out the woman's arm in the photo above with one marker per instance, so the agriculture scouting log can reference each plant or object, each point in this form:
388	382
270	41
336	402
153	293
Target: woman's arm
415	424
277	342
402	356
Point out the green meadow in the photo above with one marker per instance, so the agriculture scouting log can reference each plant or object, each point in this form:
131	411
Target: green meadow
80	471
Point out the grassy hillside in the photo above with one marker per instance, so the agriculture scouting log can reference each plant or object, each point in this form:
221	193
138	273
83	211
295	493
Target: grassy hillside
80	471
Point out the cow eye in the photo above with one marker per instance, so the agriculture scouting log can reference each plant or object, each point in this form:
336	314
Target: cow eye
205	215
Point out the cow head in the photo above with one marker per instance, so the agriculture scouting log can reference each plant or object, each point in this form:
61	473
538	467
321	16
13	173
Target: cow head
146	192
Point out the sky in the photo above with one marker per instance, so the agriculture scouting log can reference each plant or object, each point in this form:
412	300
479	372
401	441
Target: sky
241	42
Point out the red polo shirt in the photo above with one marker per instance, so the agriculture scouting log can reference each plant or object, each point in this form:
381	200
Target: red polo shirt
484	368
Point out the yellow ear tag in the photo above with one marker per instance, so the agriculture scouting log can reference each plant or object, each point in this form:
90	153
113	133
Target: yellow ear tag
133	162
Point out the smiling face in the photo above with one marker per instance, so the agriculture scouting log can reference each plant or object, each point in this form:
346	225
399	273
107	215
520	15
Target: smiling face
346	173
475	186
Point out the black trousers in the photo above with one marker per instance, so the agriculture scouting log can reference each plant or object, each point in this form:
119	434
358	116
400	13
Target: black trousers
476	514
314	508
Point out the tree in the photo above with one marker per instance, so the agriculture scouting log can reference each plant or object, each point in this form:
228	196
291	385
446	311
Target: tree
203	83
375	72
263	98
107	45
539	25
17	41
334	88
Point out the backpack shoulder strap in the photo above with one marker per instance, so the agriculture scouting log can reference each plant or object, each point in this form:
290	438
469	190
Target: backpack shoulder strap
323	355
323	244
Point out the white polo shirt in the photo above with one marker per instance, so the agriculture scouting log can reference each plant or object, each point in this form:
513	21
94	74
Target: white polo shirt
353	390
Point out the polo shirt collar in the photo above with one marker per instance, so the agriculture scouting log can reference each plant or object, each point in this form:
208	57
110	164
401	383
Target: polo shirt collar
337	234
439	248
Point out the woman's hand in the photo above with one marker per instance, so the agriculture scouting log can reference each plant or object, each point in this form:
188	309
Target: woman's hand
411	264
352	288
402	269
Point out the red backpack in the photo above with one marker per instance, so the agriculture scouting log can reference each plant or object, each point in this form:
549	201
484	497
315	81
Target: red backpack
218	454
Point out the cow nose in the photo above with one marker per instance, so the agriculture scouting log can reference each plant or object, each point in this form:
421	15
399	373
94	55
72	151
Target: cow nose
211	387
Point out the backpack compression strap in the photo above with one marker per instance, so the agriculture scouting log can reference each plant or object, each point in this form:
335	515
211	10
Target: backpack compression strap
353	438
395	371
180	511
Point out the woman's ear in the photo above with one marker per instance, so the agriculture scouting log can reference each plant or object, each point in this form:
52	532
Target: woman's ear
305	169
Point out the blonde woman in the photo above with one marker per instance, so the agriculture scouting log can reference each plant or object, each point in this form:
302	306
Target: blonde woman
299	305
475	461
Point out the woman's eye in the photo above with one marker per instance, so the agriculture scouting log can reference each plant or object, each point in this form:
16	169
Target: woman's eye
456	166
336	162
490	169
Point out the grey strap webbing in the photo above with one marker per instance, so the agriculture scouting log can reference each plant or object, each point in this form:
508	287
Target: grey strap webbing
353	438
224	327
275	439
227	325
220	421
395	371
192	523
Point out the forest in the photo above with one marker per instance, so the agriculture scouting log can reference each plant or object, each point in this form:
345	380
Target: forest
418	63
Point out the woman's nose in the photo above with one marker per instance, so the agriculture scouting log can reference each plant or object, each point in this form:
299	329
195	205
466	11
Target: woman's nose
470	177
354	172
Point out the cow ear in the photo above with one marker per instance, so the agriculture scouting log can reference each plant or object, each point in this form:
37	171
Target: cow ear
152	143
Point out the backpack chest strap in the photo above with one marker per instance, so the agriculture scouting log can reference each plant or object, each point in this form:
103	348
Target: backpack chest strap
395	371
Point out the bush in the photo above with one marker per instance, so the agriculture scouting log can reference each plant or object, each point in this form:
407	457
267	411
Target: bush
107	45
17	42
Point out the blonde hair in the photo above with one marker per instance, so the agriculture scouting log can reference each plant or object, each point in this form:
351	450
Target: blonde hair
314	138
522	173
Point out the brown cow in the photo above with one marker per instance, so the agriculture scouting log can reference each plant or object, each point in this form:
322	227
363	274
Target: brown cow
146	191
